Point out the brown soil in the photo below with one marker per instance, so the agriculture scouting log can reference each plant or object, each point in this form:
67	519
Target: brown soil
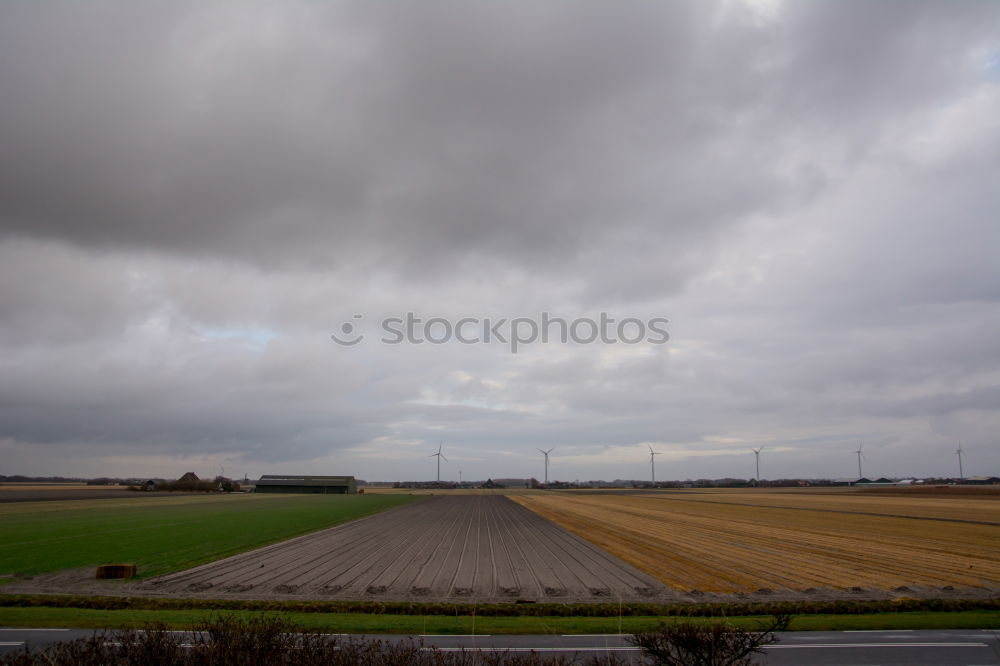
460	547
988	492
471	548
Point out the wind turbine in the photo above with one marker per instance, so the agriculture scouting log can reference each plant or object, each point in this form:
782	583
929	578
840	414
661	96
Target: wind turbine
439	455
756	453
652	465
546	454
961	473
860	455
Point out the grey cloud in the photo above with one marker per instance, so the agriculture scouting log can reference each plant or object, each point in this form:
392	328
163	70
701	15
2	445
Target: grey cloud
308	133
192	197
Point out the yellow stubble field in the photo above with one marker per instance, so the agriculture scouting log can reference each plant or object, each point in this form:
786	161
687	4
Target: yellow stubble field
744	541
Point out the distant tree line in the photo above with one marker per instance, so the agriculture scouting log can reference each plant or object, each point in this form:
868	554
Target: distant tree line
18	478
197	485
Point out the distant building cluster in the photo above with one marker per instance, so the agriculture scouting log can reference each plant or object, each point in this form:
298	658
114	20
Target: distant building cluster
449	485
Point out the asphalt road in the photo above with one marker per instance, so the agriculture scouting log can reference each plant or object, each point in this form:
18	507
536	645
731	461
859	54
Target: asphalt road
885	648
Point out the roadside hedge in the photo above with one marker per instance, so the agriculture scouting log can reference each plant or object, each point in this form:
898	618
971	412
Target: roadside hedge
845	607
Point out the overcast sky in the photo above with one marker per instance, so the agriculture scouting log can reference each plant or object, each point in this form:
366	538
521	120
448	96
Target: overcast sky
194	196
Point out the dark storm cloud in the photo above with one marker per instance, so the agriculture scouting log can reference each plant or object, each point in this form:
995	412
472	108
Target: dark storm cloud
278	136
423	132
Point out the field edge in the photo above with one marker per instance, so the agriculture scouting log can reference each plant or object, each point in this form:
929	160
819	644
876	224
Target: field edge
611	609
464	624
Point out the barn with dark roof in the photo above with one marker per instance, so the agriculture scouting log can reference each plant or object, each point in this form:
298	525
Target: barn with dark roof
323	485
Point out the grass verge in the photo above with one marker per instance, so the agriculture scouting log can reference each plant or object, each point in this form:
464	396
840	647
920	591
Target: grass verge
364	623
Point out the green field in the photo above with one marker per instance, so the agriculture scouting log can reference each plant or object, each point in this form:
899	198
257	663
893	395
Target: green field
164	534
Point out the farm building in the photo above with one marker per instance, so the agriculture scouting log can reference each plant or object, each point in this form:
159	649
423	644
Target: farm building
850	482
981	480
324	485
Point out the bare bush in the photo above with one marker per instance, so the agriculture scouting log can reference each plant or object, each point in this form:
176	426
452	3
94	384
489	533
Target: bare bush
708	644
271	640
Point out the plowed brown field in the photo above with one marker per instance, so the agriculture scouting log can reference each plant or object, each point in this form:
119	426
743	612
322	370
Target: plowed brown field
745	542
459	547
983	509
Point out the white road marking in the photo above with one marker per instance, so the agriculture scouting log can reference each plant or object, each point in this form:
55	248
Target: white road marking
867	645
11	643
599	648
